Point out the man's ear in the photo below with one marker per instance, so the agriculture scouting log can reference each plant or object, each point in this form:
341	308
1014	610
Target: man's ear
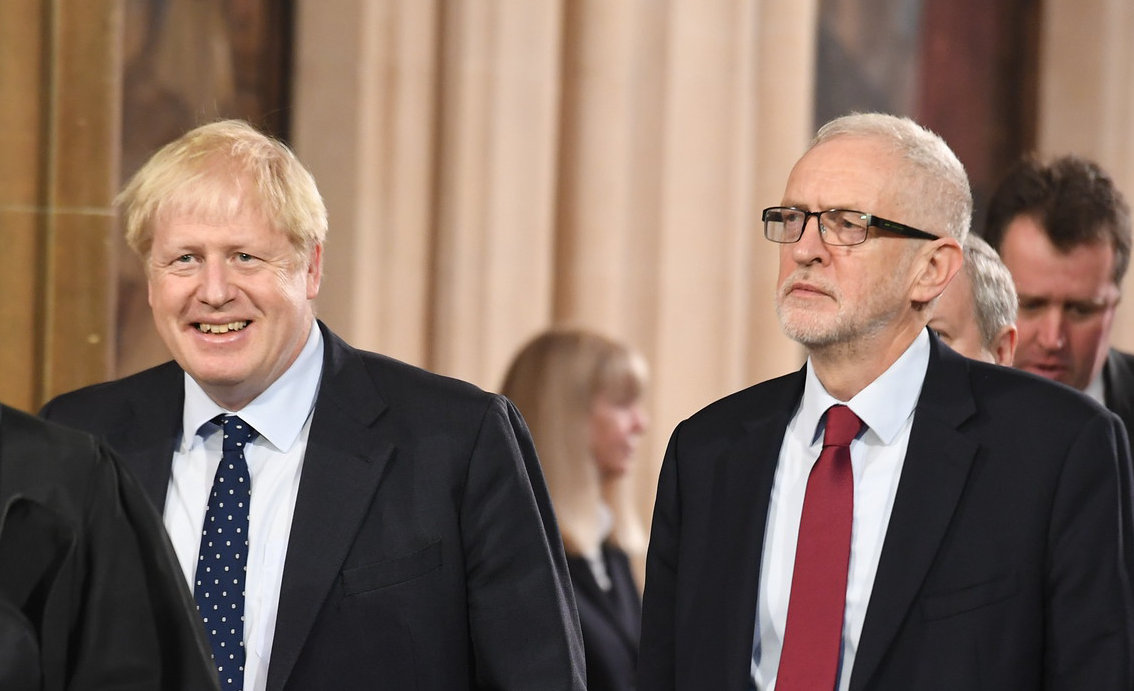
314	271
1004	345
940	263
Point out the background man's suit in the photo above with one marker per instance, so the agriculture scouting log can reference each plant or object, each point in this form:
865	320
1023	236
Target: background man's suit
1008	545
420	509
91	595
1118	387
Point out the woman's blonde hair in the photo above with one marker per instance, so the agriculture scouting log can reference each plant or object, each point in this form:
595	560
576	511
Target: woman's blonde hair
217	172
554	380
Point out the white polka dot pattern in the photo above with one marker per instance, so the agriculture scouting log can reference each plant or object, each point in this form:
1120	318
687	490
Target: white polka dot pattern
219	588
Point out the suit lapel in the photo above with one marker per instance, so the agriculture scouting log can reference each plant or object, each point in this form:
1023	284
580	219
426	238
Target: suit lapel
342	466
149	430
741	493
936	467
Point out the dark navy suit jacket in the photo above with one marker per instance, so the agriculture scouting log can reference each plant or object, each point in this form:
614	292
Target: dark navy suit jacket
1006	563
1118	387
423	552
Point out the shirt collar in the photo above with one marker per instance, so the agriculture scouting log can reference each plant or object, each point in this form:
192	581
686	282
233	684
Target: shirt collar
279	413
884	405
1096	389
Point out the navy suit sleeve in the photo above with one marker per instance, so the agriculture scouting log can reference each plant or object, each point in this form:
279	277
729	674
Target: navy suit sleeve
524	629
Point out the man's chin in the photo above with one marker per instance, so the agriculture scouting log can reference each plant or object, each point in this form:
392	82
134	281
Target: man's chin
803	326
809	333
215	375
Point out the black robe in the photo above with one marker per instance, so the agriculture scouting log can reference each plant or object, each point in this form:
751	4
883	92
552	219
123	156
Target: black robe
91	594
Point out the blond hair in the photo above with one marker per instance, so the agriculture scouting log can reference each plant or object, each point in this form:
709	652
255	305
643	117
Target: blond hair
554	380
216	172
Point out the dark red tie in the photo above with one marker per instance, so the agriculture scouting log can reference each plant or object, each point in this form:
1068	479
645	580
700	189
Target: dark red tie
809	659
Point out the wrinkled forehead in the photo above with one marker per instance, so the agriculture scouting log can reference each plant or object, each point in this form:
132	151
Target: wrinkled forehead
854	172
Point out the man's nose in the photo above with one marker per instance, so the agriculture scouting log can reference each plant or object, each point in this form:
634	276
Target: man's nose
216	287
810	246
1051	328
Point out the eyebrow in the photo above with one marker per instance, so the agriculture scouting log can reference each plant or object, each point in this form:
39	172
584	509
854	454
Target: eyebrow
1046	299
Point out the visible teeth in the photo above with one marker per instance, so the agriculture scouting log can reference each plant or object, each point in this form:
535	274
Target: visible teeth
221	328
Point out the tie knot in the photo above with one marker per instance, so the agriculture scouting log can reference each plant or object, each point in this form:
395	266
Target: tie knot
237	432
842	426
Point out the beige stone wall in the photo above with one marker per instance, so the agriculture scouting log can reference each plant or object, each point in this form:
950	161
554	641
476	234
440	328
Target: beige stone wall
1087	100
59	137
493	168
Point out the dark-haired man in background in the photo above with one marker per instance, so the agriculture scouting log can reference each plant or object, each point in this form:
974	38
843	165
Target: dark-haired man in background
1063	230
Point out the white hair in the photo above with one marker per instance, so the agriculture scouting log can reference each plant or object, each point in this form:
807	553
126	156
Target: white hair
935	187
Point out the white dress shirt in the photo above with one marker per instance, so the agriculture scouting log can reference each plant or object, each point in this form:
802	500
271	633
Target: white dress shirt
1096	389
596	561
886	407
282	417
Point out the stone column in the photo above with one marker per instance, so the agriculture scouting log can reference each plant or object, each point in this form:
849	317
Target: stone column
60	99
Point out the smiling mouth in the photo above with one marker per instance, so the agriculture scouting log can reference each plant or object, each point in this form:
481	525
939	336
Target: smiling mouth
221	328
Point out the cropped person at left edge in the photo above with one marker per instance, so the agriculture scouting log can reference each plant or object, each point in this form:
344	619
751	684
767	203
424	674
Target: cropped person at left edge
91	596
397	532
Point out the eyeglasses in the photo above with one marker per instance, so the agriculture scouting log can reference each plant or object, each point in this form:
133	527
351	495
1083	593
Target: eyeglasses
838	227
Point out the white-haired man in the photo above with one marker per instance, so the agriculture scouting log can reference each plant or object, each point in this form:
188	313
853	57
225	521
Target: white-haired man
976	315
965	526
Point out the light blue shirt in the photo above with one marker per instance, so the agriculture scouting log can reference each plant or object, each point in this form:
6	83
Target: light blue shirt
282	417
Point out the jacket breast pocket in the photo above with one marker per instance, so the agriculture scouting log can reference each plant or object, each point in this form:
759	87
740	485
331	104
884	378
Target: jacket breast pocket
400	569
969	598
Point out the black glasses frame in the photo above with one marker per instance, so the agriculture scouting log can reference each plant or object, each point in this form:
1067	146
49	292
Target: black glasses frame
871	221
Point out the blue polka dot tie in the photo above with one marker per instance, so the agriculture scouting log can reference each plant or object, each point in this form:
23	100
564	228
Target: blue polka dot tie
219	589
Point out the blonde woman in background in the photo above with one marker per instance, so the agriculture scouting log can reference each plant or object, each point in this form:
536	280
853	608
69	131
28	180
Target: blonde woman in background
580	393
